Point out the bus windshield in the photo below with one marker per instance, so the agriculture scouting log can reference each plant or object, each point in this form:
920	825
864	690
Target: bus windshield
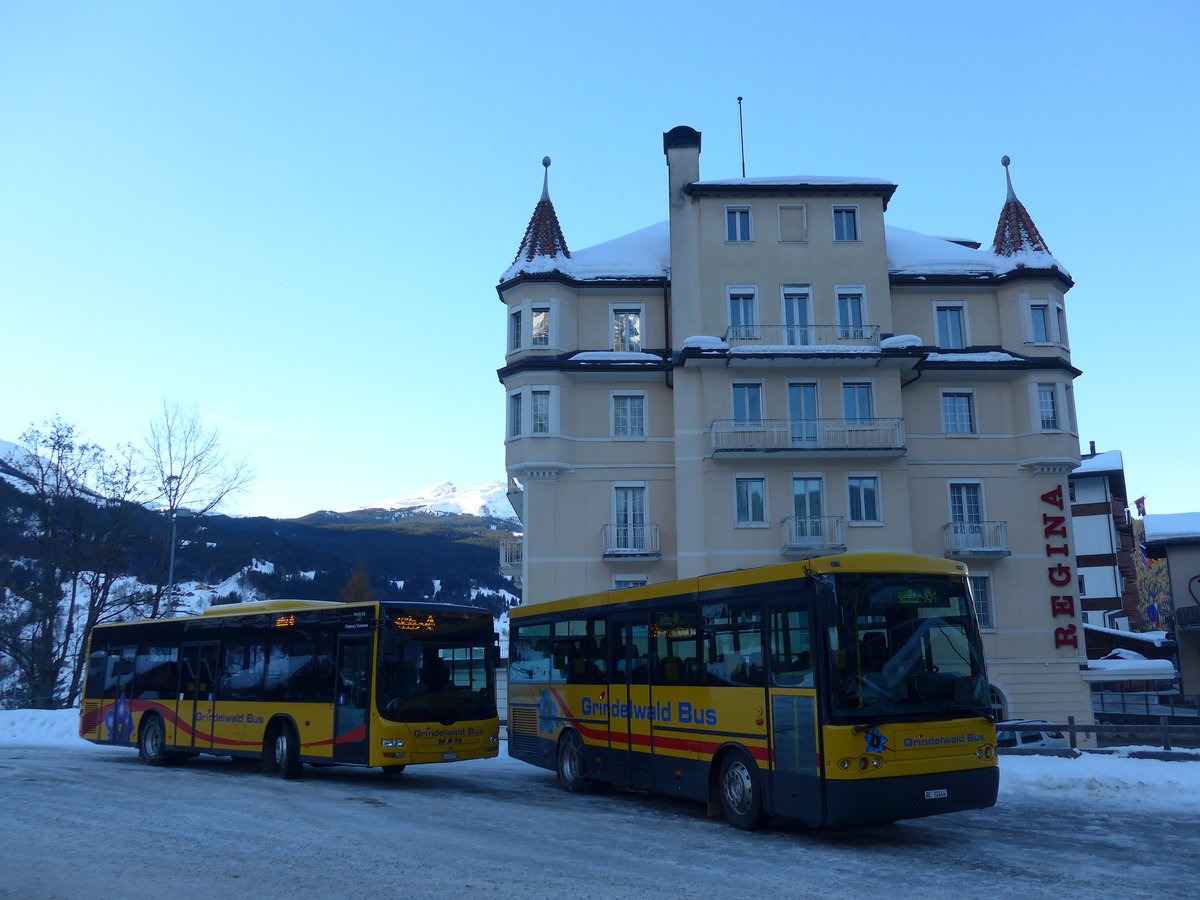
443	673
904	645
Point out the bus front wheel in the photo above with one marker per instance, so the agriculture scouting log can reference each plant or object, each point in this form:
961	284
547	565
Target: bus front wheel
741	791
287	751
152	742
572	764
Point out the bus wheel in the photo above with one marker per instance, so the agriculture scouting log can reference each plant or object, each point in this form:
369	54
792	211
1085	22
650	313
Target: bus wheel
571	764
741	791
287	751
152	742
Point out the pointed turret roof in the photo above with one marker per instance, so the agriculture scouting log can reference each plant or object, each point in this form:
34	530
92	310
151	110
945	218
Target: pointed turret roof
1015	232
543	238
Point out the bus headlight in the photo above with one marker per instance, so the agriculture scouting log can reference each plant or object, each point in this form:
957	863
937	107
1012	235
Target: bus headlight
876	762
392	743
843	764
494	739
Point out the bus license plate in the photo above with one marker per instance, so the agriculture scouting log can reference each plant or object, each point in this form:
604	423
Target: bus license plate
448	756
939	794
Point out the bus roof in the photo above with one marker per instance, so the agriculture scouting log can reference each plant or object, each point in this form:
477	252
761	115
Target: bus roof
823	565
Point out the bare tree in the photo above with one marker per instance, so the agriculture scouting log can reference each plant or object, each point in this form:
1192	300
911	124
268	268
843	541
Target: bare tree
42	587
189	471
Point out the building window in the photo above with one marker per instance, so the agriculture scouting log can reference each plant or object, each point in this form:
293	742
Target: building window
1061	315
845	223
747	404
540	326
1039	323
796	298
629	415
627	328
864	499
751	496
950	333
966	515
981	591
851	311
514	415
856	403
629	509
793	223
958	413
806	506
743	313
737	224
514	330
1082	587
802	414
540	412
1048	407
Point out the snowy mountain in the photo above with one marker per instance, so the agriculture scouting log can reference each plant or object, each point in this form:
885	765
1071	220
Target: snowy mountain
487	500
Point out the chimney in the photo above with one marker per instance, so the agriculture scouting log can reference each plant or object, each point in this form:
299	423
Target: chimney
1092	446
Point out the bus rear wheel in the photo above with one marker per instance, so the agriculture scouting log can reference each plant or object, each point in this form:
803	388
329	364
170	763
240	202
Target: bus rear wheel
572	764
741	791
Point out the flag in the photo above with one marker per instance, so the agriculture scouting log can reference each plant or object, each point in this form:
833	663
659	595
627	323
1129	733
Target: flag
1140	503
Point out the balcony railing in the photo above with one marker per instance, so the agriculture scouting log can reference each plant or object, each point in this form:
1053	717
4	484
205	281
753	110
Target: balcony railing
623	541
976	539
512	554
859	436
802	338
813	534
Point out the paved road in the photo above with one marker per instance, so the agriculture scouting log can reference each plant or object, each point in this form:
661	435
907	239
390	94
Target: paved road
96	822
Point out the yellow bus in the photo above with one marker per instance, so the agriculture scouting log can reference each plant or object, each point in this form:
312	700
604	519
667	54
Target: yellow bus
298	681
839	691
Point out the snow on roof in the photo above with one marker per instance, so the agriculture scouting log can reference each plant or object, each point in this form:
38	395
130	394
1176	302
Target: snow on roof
616	356
1108	461
640	254
796	180
913	253
1172	526
647	254
987	356
1158	638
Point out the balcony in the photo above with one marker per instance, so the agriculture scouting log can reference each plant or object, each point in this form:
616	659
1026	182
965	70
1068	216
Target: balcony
809	437
813	535
803	338
512	556
976	540
630	541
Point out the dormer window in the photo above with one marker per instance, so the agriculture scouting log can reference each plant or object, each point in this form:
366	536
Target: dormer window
845	223
737	224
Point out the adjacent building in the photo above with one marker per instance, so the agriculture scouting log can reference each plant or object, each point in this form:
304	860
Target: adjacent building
1176	537
776	373
1108	596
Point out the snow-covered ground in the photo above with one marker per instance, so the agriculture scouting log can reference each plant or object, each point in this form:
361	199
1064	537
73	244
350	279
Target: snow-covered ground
1113	778
82	819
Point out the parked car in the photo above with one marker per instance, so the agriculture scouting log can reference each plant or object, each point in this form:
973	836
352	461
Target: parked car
1029	734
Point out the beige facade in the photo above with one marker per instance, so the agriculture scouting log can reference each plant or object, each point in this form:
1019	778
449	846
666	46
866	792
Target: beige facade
776	374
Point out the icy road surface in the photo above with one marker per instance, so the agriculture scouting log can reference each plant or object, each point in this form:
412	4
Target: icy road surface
85	821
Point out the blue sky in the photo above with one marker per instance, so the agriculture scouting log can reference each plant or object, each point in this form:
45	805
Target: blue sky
293	214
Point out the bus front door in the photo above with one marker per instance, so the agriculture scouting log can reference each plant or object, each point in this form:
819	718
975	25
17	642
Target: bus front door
117	722
352	699
197	695
629	707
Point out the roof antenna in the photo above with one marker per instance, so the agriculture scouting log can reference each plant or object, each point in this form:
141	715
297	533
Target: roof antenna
742	135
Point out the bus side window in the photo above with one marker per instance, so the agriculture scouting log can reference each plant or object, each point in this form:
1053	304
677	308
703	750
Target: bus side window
791	649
